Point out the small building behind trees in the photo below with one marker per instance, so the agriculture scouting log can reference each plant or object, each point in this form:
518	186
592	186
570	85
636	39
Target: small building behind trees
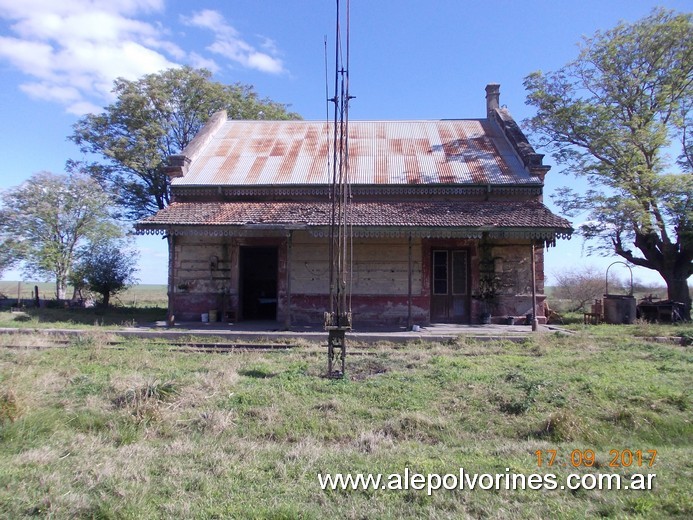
447	220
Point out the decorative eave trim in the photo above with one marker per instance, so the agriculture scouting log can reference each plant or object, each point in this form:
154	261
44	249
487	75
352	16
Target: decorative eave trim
546	235
187	192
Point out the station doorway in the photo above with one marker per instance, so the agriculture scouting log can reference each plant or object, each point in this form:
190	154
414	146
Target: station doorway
449	286
258	283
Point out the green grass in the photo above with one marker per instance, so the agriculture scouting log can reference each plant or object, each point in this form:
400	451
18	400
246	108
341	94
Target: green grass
92	318
147	432
138	305
641	328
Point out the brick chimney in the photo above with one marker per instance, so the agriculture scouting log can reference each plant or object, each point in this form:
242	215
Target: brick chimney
492	97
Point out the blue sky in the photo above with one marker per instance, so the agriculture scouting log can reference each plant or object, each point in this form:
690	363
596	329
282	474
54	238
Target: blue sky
410	59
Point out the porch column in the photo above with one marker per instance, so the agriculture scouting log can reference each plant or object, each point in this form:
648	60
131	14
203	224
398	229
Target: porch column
170	313
409	287
289	247
535	320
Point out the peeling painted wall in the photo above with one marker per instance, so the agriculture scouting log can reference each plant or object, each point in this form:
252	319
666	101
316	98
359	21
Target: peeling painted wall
513	265
380	266
207	277
203	264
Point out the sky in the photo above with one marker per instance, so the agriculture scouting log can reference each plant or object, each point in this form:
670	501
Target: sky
409	59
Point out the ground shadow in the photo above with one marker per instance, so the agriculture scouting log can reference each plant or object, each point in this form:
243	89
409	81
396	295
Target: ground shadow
256	373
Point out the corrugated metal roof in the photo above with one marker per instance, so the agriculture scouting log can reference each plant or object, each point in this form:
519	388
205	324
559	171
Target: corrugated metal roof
470	151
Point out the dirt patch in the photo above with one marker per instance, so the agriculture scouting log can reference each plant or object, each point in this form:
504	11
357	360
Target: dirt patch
361	369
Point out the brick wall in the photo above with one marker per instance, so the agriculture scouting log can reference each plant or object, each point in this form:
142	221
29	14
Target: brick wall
207	277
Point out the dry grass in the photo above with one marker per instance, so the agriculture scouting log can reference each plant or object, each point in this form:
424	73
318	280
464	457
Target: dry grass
148	432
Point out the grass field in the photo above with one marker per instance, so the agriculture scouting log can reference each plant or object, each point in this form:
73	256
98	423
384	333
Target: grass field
140	304
145	431
142	295
93	318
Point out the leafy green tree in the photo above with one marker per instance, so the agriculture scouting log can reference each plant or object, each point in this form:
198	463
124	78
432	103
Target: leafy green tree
107	269
7	260
614	116
49	219
151	119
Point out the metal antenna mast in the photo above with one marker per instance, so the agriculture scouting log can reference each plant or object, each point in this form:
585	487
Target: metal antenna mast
338	318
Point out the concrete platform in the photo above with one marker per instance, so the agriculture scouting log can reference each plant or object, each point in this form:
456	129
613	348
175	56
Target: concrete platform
274	331
271	331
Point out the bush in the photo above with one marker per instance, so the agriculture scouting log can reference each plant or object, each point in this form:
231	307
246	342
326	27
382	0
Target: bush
108	270
581	286
9	408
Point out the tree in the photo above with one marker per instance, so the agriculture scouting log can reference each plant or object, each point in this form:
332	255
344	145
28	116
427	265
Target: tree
49	218
153	118
107	269
613	116
6	258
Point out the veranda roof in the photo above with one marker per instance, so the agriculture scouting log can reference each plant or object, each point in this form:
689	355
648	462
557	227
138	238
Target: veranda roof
528	219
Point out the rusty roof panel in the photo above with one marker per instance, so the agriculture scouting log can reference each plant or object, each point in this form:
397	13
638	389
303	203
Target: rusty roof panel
380	152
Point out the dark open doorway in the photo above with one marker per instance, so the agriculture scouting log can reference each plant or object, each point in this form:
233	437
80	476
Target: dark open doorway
258	287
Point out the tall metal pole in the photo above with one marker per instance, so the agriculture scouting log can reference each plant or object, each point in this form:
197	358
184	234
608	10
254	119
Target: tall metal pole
338	318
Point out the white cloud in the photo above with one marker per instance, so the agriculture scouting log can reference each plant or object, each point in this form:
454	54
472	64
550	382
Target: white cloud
269	45
168	47
229	44
82	107
27	56
51	92
71	50
200	62
265	63
74	49
17	8
212	20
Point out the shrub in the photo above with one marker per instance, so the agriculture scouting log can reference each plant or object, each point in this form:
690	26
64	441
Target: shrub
561	427
9	408
580	286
